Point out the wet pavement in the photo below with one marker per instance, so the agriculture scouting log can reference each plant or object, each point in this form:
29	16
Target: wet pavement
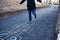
42	28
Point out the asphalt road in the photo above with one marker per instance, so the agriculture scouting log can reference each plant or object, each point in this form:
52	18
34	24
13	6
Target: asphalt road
42	28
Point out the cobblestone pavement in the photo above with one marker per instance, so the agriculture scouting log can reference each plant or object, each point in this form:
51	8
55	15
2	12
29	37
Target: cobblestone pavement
42	28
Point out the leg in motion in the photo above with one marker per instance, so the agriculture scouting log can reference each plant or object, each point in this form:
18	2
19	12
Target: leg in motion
30	18
34	12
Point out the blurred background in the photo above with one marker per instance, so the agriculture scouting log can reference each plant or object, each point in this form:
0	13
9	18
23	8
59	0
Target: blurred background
12	5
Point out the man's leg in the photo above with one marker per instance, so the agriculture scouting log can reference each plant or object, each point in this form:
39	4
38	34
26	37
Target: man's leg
30	18
34	12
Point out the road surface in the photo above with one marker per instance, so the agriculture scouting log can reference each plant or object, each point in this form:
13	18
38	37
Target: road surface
42	28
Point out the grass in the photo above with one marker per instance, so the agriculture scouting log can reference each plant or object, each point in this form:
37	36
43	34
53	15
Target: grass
11	10
14	8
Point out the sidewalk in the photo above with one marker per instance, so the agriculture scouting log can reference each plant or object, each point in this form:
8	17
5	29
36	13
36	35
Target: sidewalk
43	28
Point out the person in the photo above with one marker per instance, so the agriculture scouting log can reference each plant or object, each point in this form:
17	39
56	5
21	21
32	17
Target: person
31	7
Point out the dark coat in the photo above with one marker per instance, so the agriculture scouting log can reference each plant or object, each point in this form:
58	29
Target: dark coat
30	4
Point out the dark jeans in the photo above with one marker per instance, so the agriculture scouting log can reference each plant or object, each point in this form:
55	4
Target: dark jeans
31	12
